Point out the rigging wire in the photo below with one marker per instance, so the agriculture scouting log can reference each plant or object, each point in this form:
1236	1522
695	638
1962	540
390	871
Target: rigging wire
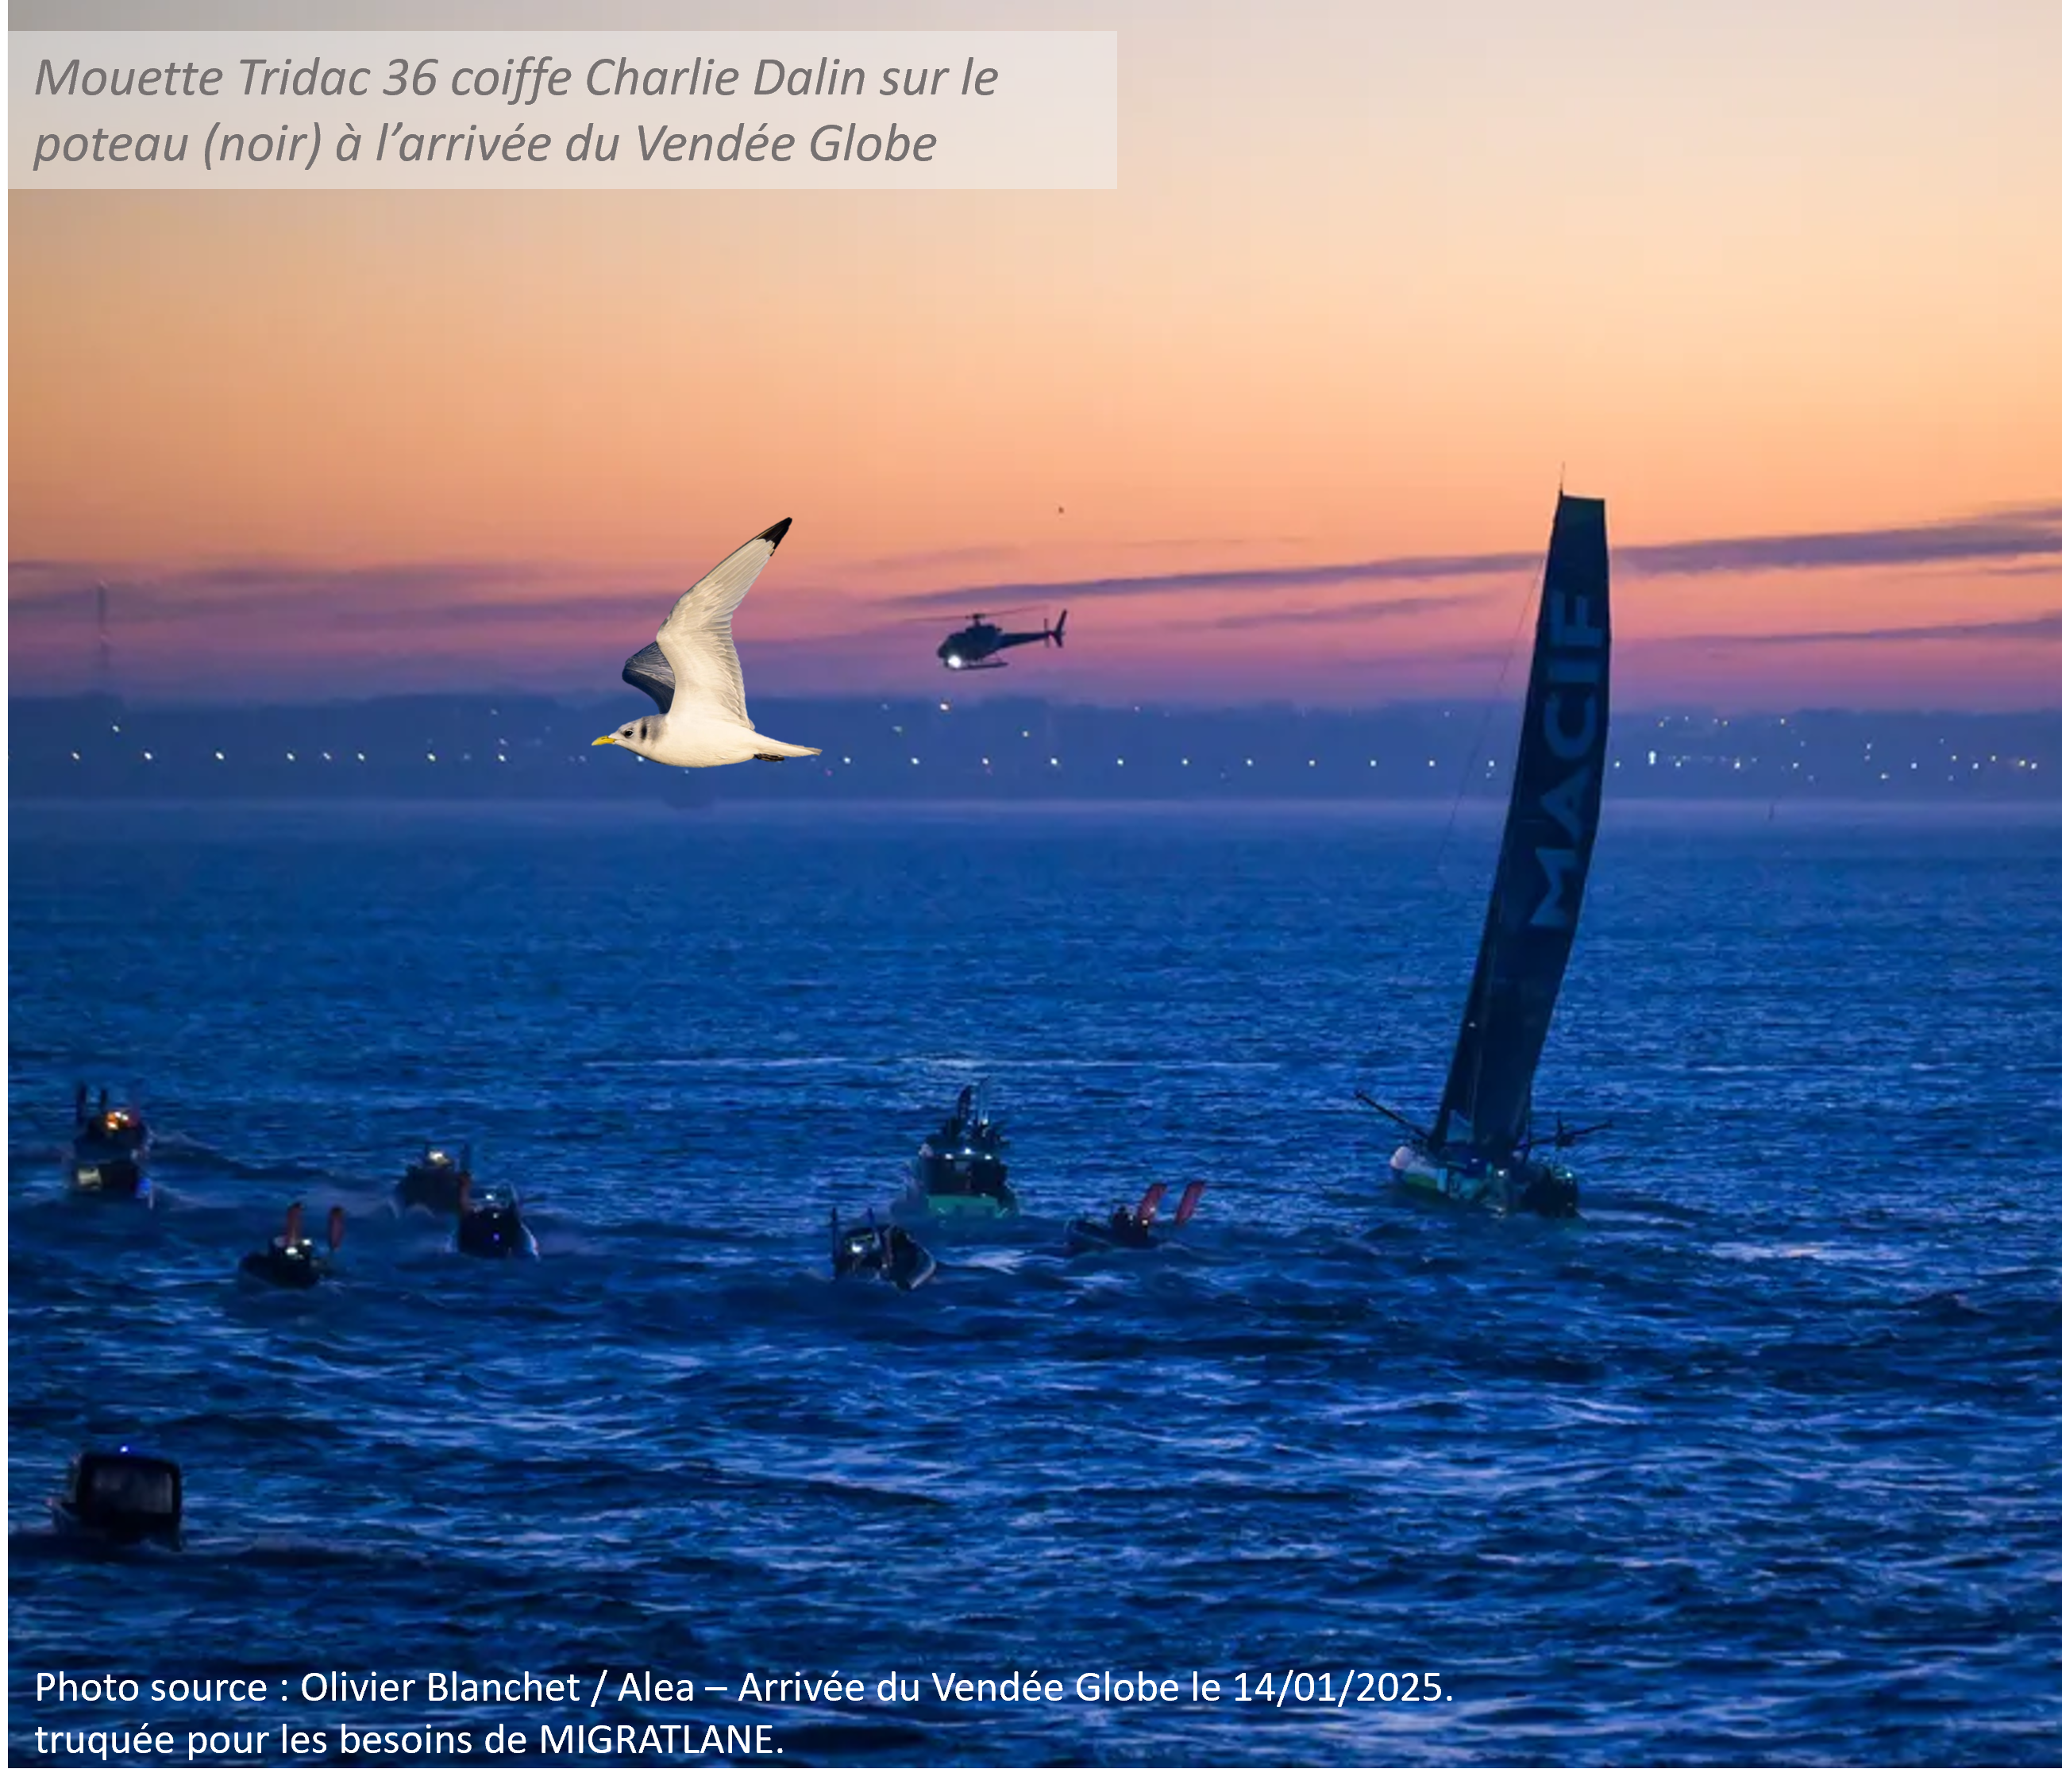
1530	608
1471	1020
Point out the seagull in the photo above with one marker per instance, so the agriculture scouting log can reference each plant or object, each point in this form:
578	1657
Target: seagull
692	672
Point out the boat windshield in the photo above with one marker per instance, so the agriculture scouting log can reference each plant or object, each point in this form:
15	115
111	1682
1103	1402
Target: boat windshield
128	1486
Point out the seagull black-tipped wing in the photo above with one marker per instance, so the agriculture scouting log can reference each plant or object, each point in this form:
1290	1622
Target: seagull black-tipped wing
694	650
697	639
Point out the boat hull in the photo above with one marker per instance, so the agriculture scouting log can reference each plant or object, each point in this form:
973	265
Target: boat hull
433	1188
1546	1189
916	1204
910	1265
882	1253
494	1232
122	1177
1097	1235
66	1522
285	1269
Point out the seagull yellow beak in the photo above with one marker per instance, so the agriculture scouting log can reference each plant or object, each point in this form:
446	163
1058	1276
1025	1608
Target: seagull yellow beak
608	740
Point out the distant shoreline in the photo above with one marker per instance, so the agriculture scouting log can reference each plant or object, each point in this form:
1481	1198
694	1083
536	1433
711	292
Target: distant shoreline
494	749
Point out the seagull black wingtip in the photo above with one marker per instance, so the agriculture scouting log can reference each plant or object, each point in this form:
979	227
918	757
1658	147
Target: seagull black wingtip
779	530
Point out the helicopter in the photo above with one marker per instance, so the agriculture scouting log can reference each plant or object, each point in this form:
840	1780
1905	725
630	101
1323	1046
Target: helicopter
969	649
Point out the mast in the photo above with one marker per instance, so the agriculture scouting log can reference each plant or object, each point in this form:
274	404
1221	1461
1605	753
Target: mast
1549	832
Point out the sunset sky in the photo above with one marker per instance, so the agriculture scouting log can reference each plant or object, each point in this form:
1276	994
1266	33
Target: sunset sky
1282	416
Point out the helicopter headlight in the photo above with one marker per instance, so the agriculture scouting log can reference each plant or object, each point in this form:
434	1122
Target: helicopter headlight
953	660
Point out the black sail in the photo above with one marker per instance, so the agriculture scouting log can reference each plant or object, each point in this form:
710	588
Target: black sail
1547	838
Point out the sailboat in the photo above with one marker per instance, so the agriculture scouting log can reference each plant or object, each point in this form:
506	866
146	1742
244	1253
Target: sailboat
1481	1148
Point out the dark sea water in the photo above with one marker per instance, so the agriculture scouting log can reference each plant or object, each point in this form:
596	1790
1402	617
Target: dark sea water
1760	1460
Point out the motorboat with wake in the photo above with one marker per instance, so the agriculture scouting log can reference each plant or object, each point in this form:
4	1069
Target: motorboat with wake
1131	1229
491	1226
432	1180
117	1497
958	1171
290	1261
1482	1147
880	1252
111	1149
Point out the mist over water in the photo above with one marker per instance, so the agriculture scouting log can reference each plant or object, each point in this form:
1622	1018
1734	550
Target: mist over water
1755	1462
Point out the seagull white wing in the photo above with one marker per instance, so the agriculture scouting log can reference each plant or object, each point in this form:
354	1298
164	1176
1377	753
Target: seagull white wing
695	646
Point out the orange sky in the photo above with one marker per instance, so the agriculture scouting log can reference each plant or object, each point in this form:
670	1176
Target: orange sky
1367	284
